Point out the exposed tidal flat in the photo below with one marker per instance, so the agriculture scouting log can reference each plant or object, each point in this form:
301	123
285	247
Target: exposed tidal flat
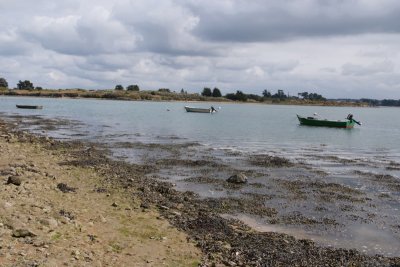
313	196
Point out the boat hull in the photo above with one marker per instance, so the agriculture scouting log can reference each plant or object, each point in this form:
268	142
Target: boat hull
29	107
198	110
310	121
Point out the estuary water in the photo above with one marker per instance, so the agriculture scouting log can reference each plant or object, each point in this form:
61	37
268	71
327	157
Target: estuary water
366	158
244	127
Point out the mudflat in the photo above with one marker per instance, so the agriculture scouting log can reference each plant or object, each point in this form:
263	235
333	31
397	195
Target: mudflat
67	203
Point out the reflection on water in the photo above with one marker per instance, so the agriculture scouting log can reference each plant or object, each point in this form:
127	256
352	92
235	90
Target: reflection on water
366	238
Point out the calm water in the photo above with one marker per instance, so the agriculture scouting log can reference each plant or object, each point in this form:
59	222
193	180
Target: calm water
249	129
245	127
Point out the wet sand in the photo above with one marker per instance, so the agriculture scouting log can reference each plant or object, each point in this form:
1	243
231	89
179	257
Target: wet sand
286	203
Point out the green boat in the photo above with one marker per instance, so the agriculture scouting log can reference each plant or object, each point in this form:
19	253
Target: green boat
317	121
29	107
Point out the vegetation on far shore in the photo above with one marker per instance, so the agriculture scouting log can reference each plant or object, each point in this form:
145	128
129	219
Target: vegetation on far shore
133	92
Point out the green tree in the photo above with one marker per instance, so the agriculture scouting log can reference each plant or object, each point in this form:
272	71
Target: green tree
206	92
133	88
216	92
303	95
280	94
165	90
241	96
25	85
3	83
315	96
38	88
119	87
266	93
238	96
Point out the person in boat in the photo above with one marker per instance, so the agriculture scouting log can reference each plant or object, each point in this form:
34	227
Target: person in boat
213	109
350	117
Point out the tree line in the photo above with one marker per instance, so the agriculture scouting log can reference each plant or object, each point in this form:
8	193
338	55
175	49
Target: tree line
266	94
21	85
384	102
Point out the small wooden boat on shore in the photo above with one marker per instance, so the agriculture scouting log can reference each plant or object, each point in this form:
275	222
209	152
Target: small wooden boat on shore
200	110
29	106
317	121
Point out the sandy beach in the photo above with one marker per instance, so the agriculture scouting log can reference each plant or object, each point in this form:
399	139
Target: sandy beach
67	203
55	214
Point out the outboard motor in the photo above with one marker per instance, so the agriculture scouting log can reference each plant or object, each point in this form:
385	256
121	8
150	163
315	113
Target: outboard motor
350	117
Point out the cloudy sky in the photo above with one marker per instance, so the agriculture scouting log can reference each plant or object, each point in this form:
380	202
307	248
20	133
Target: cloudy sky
337	48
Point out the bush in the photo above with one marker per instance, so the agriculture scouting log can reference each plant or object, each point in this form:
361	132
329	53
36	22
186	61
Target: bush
119	87
25	85
133	88
206	92
3	83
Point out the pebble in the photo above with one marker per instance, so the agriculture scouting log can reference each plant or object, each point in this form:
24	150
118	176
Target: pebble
20	233
163	207
50	222
239	178
15	180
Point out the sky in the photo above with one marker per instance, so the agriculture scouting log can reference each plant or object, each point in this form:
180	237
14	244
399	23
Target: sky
336	48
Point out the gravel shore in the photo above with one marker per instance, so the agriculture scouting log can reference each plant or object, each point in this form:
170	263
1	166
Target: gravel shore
56	214
76	206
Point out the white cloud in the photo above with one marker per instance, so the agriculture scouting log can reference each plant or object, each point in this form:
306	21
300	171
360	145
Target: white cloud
372	69
255	71
335	48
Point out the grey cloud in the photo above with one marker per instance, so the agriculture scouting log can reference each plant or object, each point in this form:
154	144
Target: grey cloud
232	44
261	21
93	33
375	68
12	45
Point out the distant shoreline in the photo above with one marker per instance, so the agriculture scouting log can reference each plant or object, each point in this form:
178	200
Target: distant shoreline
159	96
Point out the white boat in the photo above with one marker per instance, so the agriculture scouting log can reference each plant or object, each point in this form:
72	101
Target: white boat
200	110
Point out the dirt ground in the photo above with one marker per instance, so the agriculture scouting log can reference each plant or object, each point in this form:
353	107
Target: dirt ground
57	215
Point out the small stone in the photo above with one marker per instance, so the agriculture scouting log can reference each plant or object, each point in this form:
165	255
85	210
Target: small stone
19	233
144	205
65	188
51	223
15	180
8	205
76	253
102	219
176	213
239	178
114	204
